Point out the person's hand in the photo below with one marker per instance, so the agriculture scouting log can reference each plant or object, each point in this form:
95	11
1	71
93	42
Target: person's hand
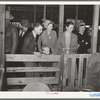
38	54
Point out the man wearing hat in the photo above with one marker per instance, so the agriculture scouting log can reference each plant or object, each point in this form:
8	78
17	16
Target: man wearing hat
22	33
11	35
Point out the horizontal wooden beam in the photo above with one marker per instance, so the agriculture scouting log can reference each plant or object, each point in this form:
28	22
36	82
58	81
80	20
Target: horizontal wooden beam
32	69
77	55
32	58
24	81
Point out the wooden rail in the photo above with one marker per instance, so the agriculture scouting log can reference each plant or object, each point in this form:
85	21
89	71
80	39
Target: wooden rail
32	58
78	65
79	61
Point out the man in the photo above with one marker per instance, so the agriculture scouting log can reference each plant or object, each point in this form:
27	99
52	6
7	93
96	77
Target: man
22	33
29	43
11	35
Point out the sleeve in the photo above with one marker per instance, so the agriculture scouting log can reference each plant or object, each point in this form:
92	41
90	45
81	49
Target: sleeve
59	46
88	42
25	47
55	44
75	47
14	40
40	44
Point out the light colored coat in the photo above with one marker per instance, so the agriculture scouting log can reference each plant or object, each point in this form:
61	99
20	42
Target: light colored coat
51	42
61	43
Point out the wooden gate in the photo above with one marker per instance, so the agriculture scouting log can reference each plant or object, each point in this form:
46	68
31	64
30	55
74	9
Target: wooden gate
78	68
13	81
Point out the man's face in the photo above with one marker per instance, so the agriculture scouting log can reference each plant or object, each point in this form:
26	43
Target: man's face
38	30
70	28
24	28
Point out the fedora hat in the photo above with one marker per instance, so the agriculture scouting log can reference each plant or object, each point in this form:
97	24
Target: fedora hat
25	23
8	15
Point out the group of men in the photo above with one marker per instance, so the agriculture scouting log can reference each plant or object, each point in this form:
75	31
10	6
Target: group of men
18	39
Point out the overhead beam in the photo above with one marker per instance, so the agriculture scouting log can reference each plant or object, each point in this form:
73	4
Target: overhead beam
95	28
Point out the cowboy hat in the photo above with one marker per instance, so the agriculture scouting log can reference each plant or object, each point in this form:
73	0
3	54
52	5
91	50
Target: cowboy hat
8	15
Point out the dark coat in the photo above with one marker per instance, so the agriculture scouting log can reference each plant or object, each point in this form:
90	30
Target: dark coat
84	42
11	39
21	40
29	44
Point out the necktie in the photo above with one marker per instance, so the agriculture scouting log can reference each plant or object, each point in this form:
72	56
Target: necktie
21	35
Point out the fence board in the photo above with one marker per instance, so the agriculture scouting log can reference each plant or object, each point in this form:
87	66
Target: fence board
73	72
32	69
24	81
46	58
32	58
80	72
86	70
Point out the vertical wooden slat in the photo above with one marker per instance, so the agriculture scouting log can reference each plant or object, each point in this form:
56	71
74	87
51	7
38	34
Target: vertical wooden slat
86	70
76	17
61	18
2	31
95	28
44	14
34	14
65	71
80	72
73	72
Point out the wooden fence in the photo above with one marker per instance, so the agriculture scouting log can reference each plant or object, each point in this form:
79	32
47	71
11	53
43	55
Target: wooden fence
32	58
78	62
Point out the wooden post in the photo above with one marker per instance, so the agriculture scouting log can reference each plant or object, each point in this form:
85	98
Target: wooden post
2	31
95	28
44	15
34	14
61	18
76	17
